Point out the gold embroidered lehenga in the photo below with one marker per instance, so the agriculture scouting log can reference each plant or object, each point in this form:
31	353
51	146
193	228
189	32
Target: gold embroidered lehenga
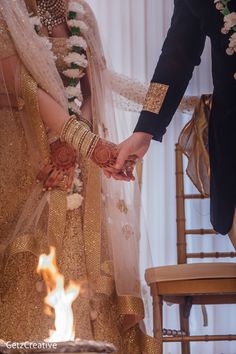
96	244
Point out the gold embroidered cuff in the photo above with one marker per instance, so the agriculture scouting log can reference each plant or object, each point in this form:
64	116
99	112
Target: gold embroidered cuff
155	97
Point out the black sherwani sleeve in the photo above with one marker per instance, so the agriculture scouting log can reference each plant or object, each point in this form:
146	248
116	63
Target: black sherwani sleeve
181	52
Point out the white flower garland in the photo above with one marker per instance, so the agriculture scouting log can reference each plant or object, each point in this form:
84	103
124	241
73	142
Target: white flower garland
35	22
229	24
77	8
77	42
79	60
74	198
37	25
76	60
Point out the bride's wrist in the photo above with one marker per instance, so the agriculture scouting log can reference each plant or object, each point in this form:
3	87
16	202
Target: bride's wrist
102	152
79	136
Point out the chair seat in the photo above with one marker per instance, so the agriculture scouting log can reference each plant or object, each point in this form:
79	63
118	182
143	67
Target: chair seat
190	272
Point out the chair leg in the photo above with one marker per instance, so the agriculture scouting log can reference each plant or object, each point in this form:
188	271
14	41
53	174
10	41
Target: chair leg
184	313
157	320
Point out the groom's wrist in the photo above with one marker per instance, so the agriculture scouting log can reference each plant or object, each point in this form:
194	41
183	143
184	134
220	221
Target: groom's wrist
147	137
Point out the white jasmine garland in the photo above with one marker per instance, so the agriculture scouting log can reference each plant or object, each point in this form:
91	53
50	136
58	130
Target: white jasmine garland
74	94
74	23
74	73
76	41
230	21
72	91
76	58
74	201
229	25
79	102
232	42
46	42
75	7
35	21
83	27
78	184
74	107
219	5
74	198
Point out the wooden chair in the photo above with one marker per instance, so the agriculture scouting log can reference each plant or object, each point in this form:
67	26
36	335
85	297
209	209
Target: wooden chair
189	284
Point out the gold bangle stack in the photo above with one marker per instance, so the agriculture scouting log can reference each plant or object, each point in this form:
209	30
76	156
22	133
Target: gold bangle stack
86	123
79	136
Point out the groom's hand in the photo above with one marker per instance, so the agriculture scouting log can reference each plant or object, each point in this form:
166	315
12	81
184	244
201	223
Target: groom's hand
135	146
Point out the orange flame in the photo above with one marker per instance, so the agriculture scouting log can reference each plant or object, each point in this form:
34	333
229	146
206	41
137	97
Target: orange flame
59	297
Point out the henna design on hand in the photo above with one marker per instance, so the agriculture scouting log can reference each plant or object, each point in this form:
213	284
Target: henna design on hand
104	154
59	172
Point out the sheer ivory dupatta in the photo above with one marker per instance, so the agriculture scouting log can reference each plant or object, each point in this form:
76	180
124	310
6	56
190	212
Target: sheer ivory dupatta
38	224
121	202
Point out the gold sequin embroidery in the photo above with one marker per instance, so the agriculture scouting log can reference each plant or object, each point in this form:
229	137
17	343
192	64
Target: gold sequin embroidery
6	45
155	97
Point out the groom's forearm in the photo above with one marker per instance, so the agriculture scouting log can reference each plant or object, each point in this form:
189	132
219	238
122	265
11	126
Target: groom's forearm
181	52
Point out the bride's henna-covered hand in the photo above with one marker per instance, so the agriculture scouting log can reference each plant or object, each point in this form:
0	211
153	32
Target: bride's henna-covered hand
59	172
104	154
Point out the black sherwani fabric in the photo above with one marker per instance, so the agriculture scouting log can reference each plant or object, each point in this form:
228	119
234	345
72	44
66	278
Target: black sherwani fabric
192	21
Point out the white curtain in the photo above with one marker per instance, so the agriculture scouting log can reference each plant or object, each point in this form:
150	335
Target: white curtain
133	32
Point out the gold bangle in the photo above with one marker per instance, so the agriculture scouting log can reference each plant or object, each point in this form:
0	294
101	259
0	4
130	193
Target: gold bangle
86	123
92	146
72	131
79	136
86	144
81	141
66	126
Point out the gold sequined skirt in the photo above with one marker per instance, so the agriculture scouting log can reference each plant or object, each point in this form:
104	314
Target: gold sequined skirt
21	290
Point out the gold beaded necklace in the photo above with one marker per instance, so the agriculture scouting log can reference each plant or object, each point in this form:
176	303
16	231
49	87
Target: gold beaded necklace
52	13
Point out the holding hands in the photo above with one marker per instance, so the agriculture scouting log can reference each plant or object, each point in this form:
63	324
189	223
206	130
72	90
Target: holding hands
117	161
129	152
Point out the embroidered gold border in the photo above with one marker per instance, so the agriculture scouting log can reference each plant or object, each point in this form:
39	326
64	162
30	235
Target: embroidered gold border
155	97
29	94
130	305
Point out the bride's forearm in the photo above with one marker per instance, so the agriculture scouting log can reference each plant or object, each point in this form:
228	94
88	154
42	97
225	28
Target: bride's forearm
60	123
86	108
74	132
56	119
52	114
